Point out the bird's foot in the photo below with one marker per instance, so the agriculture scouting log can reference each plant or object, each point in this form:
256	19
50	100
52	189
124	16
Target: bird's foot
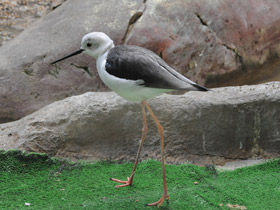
160	201
124	183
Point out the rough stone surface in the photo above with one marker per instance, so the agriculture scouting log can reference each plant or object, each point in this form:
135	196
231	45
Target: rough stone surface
17	15
232	165
212	42
226	123
28	81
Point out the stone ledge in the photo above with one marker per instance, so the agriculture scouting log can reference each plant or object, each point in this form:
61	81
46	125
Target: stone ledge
226	123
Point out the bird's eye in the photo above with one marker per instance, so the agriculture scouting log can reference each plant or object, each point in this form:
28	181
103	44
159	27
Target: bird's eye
89	44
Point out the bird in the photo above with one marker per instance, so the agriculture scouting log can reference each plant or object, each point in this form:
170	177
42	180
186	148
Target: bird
136	74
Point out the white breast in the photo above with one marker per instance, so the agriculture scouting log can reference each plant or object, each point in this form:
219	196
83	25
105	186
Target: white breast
128	89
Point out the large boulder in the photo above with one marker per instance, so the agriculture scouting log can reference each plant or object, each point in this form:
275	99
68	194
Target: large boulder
226	123
211	42
215	43
28	81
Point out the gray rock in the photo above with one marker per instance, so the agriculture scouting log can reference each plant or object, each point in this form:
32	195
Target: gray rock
226	123
28	81
206	41
18	15
241	164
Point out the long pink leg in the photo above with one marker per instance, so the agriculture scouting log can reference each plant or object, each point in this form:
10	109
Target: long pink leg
160	131
144	133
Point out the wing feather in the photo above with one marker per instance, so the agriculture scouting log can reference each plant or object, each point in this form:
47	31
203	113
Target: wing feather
136	63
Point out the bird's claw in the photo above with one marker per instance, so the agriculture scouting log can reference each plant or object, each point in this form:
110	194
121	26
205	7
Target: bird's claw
160	201
124	183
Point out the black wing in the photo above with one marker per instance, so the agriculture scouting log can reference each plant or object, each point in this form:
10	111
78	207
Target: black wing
136	63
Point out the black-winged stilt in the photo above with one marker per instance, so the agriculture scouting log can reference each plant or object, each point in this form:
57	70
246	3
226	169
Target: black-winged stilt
136	74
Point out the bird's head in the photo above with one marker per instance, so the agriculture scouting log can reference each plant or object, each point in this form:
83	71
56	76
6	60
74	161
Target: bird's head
96	43
93	44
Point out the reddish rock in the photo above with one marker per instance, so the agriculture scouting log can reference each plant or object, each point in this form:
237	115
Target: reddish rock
214	42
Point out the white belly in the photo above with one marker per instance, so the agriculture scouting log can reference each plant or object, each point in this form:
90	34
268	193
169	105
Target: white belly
128	89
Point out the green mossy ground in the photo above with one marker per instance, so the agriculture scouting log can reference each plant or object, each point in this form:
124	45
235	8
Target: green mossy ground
47	183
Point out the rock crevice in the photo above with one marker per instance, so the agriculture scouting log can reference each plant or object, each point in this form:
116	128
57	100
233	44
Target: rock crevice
133	20
232	49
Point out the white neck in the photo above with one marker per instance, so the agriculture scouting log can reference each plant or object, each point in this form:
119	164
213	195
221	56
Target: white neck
107	48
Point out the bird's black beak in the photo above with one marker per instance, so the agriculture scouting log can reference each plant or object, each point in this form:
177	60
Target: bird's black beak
68	56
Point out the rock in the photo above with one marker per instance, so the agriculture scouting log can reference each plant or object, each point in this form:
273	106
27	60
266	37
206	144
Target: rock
210	42
28	81
17	15
232	165
226	123
214	43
